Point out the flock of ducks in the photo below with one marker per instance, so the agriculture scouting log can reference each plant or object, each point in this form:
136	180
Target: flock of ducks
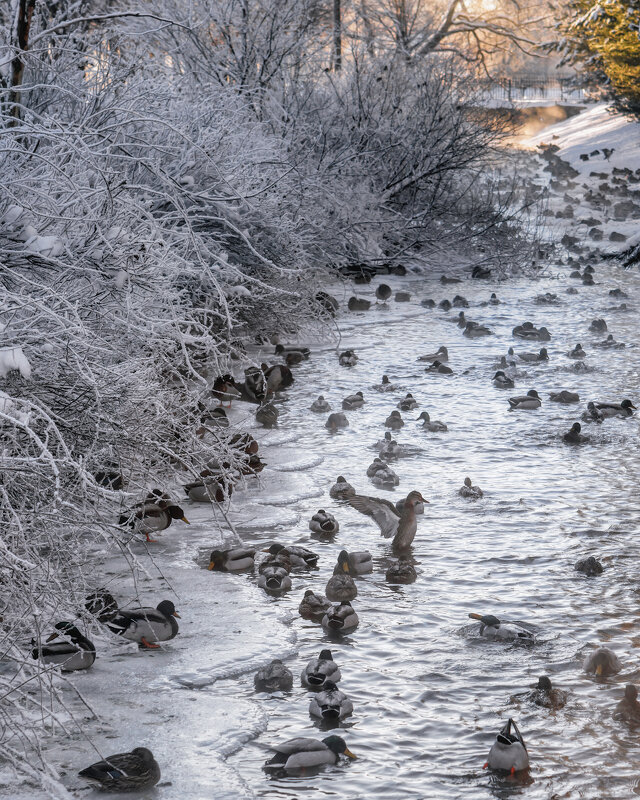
333	609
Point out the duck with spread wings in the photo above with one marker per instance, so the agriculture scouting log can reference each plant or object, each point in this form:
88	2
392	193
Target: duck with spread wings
402	526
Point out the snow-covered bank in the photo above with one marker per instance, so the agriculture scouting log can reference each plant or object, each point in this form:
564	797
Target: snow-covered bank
602	150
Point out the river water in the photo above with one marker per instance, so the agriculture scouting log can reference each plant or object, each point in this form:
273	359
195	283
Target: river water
429	694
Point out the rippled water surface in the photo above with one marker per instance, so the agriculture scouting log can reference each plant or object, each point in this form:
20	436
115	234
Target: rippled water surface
428	693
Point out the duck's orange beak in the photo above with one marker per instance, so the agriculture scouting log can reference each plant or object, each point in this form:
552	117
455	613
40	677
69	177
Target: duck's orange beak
52	636
599	669
184	519
212	565
349	754
475	616
175	614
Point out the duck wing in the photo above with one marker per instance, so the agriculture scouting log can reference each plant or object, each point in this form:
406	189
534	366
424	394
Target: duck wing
301	744
382	511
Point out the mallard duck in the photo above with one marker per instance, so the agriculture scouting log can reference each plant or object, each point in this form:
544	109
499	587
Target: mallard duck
408	403
210	489
340	618
146	625
300	353
358	304
492	628
501	381
267	415
327	303
152	516
375	465
322	521
598	326
275	677
102	605
577	352
509	752
313	606
564	397
390	449
589	566
304	754
330	703
358	563
428	303
610	343
214	418
534	357
347	359
401	572
277	377
445	305
587	279
617	293
385	385
528	331
528	401
401	526
233	560
460	302
473	330
336	421
341	490
353	401
441	355
224	389
446	279
383	292
439	368
296	555
320	405
435	427
623	409
493	300
385	477
341	587
74	654
320	670
124	772
574	436
592	414
602	662
546	299
274	578
394	421
110	476
628	709
545	695
480	273
460	320
469	491
402	297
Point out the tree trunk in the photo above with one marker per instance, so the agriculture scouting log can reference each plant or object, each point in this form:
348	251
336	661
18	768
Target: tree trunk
23	24
337	36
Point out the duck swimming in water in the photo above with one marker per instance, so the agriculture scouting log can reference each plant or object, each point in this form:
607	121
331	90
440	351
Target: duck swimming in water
275	677
577	352
492	628
469	491
402	572
385	477
598	326
434	427
574	436
460	302
501	381
564	397
341	490
623	409
610	344
589	566
347	359
592	414
267	415
274	578
534	357
602	662
359	562
320	405
402	526
473	330
353	401
384	386
545	695
320	670
313	606
408	403
297	556
439	367
147	626
324	523
628	709
330	703
336	421
441	354
340	618
528	401
509	752
391	449
233	560
394	421
76	653
341	587
303	754
124	772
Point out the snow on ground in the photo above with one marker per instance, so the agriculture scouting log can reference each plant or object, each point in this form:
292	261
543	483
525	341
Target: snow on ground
601	204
